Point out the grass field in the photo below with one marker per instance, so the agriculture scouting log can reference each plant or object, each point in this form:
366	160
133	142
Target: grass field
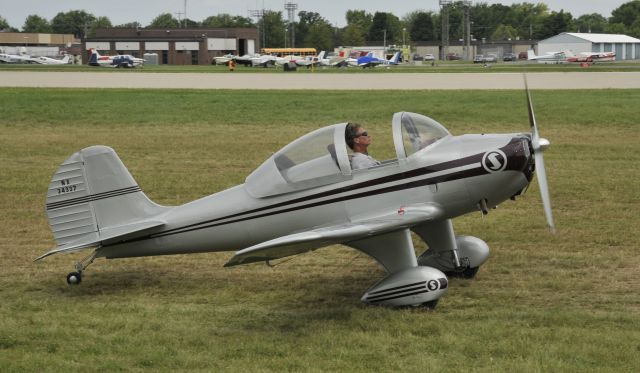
568	302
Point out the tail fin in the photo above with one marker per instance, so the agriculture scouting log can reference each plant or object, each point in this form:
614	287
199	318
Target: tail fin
531	55
92	192
321	55
396	58
65	59
93	59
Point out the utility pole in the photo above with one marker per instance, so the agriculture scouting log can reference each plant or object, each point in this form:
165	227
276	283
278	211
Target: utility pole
444	15
466	27
291	9
259	15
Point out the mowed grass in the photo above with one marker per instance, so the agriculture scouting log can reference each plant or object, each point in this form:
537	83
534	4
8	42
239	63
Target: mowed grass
568	302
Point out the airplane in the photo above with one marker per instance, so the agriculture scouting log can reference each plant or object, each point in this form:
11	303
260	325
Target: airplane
306	196
370	61
22	57
311	60
394	60
121	60
548	58
592	57
51	61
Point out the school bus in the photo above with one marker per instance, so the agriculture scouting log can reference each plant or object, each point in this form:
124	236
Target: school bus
281	52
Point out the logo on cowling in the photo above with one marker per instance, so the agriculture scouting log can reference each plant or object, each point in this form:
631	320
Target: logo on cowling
433	285
494	161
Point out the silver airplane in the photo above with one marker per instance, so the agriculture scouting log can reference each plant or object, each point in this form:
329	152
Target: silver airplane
307	196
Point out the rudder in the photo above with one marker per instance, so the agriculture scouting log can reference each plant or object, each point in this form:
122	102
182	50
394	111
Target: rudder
93	190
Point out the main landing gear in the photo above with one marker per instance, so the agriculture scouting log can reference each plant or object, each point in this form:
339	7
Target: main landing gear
75	278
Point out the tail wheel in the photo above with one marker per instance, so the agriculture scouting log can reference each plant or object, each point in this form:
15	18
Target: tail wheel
74	278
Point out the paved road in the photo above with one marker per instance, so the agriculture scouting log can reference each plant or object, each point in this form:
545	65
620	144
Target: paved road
380	81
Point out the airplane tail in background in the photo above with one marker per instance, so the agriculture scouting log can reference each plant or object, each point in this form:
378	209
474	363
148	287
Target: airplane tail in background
321	55
531	55
93	59
395	59
92	199
65	59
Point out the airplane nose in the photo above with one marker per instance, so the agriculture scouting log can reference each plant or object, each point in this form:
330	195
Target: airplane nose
543	144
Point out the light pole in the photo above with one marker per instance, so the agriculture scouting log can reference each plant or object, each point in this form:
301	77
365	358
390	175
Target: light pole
404	29
26	40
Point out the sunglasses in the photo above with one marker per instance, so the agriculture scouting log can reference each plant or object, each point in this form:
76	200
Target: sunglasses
365	134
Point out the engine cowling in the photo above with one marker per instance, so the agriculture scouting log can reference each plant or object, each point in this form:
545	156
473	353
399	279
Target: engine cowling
410	287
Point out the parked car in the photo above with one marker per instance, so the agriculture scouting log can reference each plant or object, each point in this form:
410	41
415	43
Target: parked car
490	58
509	57
429	57
453	57
478	58
417	57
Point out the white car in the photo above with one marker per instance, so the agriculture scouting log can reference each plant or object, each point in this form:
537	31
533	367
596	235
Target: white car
429	57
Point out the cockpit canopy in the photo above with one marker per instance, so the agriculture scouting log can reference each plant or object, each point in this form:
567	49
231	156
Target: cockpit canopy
322	156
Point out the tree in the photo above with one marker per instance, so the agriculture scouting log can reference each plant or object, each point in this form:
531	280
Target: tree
134	24
320	36
74	22
227	20
528	19
34	23
100	22
4	26
272	30
353	35
421	26
556	23
359	18
165	20
504	32
385	25
306	23
616	28
634	30
626	13
593	22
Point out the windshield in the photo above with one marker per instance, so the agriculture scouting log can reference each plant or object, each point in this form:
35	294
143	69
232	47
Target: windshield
419	131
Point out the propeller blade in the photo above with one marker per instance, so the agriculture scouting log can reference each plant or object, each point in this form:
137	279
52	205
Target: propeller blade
539	145
544	190
535	137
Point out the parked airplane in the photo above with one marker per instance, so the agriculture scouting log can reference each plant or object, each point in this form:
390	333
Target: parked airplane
121	60
22	57
548	58
592	57
370	61
311	60
307	196
52	61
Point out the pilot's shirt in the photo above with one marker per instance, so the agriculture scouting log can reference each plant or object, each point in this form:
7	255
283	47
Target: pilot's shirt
360	160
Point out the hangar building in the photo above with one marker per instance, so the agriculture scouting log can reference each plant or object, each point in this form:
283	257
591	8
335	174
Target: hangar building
625	47
190	46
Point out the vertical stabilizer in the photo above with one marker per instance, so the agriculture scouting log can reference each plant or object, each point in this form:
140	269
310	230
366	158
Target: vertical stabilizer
92	191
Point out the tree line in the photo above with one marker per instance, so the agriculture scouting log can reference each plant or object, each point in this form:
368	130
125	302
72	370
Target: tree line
527	21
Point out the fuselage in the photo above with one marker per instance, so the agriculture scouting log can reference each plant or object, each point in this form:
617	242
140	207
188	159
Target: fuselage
456	173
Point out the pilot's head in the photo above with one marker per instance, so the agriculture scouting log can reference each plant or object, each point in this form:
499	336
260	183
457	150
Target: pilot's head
357	137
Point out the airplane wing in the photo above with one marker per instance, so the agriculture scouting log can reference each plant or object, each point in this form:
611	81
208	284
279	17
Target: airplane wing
108	235
301	242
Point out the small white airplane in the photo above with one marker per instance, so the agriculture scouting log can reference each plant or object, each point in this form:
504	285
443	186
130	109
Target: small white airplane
307	196
118	61
22	57
311	60
51	61
548	58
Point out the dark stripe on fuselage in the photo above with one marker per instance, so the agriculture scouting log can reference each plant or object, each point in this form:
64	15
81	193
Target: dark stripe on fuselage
476	158
93	197
386	179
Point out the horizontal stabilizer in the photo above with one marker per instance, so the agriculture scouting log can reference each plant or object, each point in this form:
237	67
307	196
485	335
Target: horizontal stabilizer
107	236
301	242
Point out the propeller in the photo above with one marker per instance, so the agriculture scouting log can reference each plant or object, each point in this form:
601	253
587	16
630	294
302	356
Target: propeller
539	146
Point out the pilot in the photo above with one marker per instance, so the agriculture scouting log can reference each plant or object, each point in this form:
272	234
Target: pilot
359	140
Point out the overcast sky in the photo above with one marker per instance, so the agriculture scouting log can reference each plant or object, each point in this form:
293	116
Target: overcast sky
143	11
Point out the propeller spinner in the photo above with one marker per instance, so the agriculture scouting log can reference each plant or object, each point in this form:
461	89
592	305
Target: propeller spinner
539	146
